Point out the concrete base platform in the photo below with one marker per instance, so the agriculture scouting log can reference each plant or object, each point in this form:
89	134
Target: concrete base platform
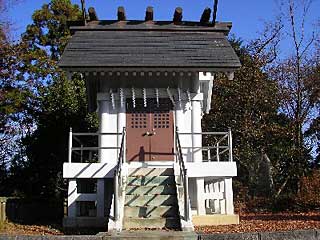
85	222
214	220
154	235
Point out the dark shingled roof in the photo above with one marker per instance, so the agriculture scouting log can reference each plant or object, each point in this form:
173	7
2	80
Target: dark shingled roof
141	45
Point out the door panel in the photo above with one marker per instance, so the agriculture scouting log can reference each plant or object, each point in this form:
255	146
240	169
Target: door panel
138	124
150	131
162	141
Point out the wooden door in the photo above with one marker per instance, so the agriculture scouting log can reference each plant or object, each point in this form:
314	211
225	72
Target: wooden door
150	131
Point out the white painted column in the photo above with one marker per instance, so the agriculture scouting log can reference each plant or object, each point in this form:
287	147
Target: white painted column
201	210
103	128
197	144
72	196
100	197
229	196
196	128
107	124
121	121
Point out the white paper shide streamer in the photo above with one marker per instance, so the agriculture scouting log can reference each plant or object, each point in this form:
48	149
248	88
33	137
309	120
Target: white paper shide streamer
112	99
133	97
157	97
121	98
179	97
189	99
170	96
144	92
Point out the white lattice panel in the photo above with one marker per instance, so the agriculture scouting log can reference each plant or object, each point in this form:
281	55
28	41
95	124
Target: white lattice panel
214	196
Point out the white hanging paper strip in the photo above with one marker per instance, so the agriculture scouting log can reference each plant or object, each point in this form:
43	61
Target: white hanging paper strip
170	96
189	99
121	98
179	97
157	97
144	91
133	97
112	99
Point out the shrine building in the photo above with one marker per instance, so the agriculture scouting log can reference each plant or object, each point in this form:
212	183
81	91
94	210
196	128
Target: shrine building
149	165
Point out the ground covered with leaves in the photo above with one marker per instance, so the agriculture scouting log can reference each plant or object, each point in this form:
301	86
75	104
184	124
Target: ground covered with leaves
267	222
249	222
19	229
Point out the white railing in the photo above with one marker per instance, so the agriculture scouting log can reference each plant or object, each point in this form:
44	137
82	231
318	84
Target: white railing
216	146
118	176
83	147
183	178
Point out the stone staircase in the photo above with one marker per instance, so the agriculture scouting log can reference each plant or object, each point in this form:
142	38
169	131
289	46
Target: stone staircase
151	200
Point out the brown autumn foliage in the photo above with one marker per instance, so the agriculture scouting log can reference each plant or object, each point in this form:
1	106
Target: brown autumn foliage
308	195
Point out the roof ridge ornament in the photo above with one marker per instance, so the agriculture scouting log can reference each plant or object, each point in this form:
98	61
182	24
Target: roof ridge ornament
205	17
83	9
92	14
149	14
177	16
121	14
215	9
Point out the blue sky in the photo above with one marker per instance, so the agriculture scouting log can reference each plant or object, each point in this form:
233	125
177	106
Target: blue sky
247	15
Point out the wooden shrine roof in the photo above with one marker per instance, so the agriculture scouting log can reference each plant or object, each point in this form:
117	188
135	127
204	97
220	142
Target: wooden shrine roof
141	45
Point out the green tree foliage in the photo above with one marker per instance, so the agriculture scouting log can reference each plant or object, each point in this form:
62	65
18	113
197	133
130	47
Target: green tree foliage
249	105
61	103
64	105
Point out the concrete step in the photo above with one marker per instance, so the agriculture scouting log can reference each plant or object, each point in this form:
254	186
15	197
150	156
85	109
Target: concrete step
150	172
151	212
154	223
149	190
150	200
151	181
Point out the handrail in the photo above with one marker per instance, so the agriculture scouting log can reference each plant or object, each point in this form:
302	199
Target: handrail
183	177
75	138
118	177
95	134
224	138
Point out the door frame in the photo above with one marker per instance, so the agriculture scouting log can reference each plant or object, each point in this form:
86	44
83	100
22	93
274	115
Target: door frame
172	112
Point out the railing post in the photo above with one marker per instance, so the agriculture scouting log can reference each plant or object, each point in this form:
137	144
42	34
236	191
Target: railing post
177	143
186	194
70	146
217	152
116	191
81	153
124	142
230	145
